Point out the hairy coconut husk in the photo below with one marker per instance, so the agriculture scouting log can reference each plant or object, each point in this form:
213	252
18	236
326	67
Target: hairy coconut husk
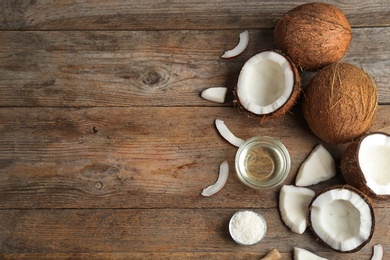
313	35
283	109
363	196
352	172
340	103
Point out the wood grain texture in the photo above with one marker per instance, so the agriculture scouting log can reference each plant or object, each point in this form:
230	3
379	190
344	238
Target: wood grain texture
138	68
137	157
106	144
163	15
141	230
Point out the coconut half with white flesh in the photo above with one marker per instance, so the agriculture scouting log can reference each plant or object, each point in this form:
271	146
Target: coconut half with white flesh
366	163
268	85
343	218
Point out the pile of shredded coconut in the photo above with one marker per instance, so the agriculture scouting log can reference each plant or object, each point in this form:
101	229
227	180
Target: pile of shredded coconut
247	227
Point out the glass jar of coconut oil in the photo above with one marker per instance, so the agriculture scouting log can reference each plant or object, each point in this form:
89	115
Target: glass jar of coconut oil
262	162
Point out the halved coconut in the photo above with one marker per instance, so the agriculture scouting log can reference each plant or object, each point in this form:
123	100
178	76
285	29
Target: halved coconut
268	85
343	218
366	163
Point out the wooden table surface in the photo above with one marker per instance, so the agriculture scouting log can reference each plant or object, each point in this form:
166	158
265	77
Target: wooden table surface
106	144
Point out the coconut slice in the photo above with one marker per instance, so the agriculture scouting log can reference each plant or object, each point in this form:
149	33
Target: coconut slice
294	206
268	84
221	181
366	163
378	252
343	218
241	46
216	94
303	254
319	166
227	134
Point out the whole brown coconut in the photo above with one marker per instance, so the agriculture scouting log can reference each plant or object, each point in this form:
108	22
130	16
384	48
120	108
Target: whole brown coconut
313	35
340	103
365	165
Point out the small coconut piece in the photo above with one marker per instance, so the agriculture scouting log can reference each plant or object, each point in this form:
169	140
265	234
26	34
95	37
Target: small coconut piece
215	94
378	252
268	85
313	35
366	163
241	46
319	166
227	134
340	103
343	218
272	255
303	254
221	181
294	207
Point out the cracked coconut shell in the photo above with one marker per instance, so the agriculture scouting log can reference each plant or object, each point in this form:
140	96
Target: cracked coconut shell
313	35
357	157
340	103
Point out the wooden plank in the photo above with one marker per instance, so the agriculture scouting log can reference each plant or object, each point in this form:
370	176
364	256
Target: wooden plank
138	68
138	157
161	15
199	231
173	256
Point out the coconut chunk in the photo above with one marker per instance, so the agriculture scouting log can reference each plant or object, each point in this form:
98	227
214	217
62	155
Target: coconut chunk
215	94
303	254
293	206
266	83
221	181
378	252
374	160
240	47
342	218
319	166
227	134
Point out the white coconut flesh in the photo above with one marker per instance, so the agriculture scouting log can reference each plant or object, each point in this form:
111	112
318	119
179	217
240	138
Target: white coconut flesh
342	219
265	83
303	254
374	160
319	166
294	206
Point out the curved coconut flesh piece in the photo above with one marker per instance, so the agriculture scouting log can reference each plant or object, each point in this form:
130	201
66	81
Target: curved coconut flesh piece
366	163
294	206
319	166
227	134
343	218
303	254
268	84
221	181
378	252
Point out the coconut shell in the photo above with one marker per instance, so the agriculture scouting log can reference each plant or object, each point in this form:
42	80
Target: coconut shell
363	196
313	35
340	103
351	170
297	88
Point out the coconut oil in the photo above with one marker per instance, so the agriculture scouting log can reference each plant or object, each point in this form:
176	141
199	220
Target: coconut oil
262	162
